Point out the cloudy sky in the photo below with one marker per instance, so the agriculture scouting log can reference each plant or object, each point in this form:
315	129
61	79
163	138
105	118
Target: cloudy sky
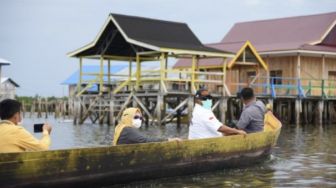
36	35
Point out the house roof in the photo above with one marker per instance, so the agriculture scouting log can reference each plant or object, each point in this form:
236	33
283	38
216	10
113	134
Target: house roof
312	33
124	35
5	79
4	62
290	33
238	48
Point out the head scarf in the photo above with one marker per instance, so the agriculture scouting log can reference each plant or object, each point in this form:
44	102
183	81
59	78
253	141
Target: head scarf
126	121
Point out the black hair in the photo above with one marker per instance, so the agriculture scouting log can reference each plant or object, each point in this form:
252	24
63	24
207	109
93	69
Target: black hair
199	92
8	108
246	93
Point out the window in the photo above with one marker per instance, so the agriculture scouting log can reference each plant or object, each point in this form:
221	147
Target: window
276	76
332	75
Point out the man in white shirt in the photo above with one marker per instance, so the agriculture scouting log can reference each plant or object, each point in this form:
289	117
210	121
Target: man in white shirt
204	123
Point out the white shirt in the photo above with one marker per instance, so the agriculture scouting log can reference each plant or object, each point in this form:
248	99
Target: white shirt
204	124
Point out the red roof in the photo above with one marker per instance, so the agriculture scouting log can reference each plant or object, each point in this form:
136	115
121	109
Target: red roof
312	32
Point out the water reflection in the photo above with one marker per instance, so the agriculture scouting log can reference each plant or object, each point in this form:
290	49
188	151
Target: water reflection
305	156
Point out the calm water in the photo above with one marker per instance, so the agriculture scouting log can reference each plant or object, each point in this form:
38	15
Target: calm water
304	156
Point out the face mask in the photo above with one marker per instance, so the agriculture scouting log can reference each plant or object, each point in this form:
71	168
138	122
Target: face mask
207	104
21	122
137	123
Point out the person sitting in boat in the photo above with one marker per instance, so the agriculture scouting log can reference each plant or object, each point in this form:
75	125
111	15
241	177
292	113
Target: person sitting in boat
15	138
127	131
252	118
204	123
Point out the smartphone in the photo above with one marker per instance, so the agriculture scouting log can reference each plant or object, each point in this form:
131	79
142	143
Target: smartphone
38	127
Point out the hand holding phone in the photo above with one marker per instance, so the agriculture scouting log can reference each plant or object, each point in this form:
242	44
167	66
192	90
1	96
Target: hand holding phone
40	127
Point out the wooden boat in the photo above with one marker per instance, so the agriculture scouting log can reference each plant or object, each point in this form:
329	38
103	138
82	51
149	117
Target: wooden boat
92	167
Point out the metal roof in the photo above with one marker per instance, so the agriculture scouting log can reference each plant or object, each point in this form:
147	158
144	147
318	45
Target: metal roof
4	79
4	61
284	33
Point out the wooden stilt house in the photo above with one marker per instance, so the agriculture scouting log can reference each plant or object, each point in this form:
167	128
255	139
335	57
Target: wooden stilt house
137	40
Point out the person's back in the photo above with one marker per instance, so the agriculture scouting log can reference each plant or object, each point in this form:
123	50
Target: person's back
130	135
252	117
15	138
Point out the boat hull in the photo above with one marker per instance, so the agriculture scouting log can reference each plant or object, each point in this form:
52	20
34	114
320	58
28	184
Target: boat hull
125	163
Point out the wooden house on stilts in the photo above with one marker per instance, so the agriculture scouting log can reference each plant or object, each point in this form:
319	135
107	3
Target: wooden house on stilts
300	53
137	40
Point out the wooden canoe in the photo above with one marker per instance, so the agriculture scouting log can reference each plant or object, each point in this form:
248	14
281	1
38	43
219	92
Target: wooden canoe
92	167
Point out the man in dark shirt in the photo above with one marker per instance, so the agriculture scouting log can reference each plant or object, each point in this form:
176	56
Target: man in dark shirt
252	118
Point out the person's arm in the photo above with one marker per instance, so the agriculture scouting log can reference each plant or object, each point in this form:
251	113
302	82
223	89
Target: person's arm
228	130
28	142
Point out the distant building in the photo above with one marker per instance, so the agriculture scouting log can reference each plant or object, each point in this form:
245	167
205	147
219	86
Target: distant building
298	51
7	88
119	73
89	78
7	85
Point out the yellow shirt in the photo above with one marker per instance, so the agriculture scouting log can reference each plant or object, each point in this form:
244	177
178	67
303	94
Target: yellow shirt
14	138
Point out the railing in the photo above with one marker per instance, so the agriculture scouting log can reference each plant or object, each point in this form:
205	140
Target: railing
288	86
176	80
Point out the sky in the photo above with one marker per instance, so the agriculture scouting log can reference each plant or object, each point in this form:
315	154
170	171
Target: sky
36	35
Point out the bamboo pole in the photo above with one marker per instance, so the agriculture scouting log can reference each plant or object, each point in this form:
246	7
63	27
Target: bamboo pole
138	72
109	71
162	71
193	88
101	79
130	71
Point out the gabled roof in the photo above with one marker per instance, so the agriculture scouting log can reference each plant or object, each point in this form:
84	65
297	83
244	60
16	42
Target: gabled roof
4	62
291	33
126	35
5	79
238	48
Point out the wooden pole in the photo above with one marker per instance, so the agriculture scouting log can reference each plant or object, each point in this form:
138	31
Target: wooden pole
111	117
138	72
163	75
193	65
297	111
109	76
268	88
159	107
190	106
224	78
79	84
101	77
298	67
130	71
223	108
320	107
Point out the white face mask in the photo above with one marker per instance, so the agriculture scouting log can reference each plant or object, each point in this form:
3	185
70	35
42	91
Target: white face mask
21	122
137	123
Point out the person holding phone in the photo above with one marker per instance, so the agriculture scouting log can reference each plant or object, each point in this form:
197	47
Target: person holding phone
127	131
14	138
